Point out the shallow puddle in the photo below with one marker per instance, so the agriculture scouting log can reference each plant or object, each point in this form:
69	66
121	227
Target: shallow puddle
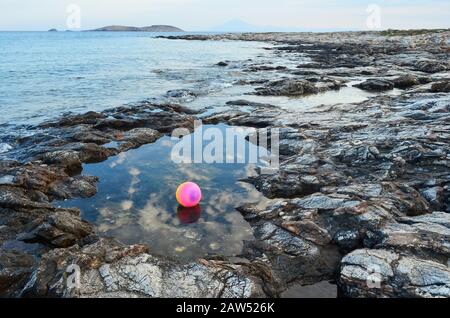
346	94
136	201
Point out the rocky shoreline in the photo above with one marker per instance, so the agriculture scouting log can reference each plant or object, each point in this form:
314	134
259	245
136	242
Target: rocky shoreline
361	199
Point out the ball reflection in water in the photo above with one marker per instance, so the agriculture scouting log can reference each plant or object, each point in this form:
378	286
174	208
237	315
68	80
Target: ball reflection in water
189	215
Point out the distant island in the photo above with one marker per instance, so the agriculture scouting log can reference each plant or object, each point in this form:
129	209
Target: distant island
153	28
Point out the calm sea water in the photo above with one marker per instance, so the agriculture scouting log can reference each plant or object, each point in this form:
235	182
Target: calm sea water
44	74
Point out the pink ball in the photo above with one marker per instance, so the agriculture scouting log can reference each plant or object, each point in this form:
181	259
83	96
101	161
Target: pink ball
189	194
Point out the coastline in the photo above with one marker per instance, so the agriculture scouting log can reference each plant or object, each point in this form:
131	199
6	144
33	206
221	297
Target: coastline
359	183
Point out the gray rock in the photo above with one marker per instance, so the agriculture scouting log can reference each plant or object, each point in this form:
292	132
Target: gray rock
15	268
431	66
375	85
406	81
441	87
288	88
380	273
109	269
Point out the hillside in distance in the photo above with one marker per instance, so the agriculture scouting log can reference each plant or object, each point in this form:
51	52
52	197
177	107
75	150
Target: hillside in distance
152	28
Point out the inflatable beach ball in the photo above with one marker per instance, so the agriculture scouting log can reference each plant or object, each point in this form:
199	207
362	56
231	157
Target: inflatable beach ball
189	194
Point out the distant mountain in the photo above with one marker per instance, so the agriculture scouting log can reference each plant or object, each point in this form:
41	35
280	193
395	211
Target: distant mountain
153	28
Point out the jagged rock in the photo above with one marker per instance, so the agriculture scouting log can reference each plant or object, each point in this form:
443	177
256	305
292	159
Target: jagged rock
69	159
425	236
381	273
60	229
184	94
258	68
243	102
435	196
291	257
74	120
138	137
375	85
406	81
17	198
260	117
297	179
441	87
287	87
430	66
288	215
79	186
109	269
15	268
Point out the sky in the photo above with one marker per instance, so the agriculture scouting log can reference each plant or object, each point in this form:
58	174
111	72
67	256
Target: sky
204	15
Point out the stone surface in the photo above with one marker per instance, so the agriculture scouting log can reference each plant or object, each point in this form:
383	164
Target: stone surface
441	87
290	87
380	273
406	81
376	85
109	269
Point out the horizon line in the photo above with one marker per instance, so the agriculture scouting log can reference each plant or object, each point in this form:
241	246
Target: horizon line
324	30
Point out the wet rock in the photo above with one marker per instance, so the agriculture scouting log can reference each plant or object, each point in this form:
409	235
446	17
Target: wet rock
85	134
260	117
359	153
406	81
425	236
14	197
74	120
138	137
222	63
181	93
431	66
296	179
375	85
243	102
7	180
69	159
74	187
109	269
294	87
287	87
15	268
348	240
381	273
60	229
435	196
258	68
441	87
290	216
292	257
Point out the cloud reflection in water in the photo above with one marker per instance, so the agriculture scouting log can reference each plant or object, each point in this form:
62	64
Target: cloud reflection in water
136	203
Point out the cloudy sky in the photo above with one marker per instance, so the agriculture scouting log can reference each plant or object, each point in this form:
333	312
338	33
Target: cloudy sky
200	15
